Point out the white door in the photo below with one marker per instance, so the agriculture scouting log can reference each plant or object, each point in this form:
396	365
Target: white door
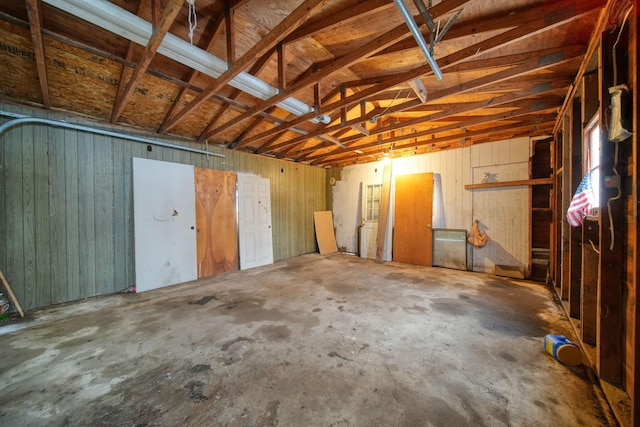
254	221
370	209
164	213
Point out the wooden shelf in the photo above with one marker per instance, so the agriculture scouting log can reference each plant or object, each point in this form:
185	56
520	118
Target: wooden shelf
524	182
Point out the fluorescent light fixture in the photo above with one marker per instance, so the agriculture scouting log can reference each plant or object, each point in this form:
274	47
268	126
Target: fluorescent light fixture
119	21
415	31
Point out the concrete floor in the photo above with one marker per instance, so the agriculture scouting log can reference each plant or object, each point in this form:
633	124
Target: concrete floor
310	341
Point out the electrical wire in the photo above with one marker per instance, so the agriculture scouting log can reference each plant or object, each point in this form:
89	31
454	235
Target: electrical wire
193	19
615	65
392	103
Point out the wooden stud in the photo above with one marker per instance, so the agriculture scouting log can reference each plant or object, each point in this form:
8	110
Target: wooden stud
231	43
35	26
609	354
282	78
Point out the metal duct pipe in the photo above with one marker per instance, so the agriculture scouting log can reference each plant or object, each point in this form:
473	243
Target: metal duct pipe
19	120
415	31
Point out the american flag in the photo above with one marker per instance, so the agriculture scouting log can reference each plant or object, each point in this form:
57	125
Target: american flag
581	203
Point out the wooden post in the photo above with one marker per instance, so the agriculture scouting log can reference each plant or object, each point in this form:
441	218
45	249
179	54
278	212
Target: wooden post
575	233
634	389
12	297
383	218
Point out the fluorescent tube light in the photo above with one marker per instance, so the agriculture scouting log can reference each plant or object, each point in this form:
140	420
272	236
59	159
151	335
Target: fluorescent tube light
119	21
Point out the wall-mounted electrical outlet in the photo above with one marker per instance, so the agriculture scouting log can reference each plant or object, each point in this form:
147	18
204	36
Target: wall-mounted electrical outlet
612	181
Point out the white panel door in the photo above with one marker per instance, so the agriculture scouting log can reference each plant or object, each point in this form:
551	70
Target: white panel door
370	201
254	221
164	210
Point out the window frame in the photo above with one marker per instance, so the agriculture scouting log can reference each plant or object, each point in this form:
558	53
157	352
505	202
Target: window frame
591	160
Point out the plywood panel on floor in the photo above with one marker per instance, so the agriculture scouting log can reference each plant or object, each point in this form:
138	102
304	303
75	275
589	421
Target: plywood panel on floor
324	232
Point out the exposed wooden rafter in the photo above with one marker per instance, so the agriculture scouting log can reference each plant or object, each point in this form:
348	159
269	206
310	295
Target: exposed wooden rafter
289	24
35	24
352	64
168	16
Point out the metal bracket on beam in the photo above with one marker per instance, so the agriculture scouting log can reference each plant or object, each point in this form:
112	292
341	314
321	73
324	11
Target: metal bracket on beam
435	35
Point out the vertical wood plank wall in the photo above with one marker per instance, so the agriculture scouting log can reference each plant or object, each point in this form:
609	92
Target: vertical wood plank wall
67	207
454	207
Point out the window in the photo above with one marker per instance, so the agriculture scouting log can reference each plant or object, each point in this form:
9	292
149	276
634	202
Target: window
592	160
373	202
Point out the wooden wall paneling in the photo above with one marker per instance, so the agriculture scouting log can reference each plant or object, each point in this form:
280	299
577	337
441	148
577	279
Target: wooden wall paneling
90	205
129	151
57	215
120	281
104	211
216	222
589	283
4	141
14	268
575	233
24	137
292	194
70	142
610	304
86	219
43	246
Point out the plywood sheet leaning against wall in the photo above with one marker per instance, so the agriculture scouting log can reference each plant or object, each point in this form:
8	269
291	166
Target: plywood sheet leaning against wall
324	232
216	222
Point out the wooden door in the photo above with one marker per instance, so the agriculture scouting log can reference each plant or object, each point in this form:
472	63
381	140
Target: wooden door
216	222
254	221
413	215
164	223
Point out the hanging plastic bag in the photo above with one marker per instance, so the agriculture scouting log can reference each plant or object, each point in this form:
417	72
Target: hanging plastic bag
477	237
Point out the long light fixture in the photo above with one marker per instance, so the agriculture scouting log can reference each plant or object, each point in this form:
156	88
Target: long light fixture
415	32
123	23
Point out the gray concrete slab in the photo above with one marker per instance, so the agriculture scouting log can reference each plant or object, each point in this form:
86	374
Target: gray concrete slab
311	341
